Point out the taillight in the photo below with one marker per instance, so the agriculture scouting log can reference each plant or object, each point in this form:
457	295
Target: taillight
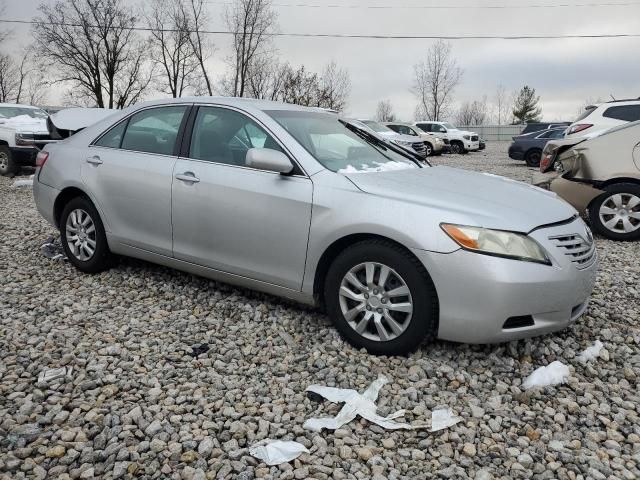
544	163
578	128
41	158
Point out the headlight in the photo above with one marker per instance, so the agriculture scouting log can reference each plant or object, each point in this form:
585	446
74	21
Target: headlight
24	139
467	137
403	143
497	242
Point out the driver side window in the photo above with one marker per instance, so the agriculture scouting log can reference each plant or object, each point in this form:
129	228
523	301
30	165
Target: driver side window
222	135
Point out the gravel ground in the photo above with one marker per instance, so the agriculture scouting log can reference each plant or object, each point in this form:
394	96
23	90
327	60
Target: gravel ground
145	400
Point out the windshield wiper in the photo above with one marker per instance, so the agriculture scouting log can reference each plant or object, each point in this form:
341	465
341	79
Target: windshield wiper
377	142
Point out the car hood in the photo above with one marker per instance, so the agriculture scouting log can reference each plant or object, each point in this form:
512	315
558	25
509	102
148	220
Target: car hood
25	124
74	119
477	199
398	137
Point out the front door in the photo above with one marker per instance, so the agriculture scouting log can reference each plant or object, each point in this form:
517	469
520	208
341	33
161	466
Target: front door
129	172
236	219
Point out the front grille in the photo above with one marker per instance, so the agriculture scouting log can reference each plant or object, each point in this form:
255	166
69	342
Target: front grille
419	147
576	248
474	138
518	322
41	136
446	141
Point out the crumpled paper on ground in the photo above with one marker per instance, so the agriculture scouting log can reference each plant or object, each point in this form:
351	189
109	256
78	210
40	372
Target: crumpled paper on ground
53	374
23	183
277	452
443	418
553	374
592	352
355	404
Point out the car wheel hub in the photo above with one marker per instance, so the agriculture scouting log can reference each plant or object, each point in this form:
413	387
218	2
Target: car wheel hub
375	301
80	232
620	213
4	161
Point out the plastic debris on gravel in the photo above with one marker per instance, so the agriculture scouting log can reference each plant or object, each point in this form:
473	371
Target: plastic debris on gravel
278	451
355	404
591	353
443	418
52	374
553	374
52	249
23	182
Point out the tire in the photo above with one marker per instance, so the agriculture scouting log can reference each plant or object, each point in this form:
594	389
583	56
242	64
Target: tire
405	272
604	210
8	166
79	209
533	157
457	148
429	148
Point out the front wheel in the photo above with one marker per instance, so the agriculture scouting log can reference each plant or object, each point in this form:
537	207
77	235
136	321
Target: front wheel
381	298
83	236
429	148
456	148
7	164
616	213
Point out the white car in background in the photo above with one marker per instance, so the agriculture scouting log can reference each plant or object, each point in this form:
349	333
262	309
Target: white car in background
601	117
406	141
461	141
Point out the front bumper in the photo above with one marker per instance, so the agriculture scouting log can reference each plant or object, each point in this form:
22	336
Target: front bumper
479	293
471	146
24	156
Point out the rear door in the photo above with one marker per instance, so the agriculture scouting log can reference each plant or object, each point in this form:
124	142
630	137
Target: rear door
129	171
239	220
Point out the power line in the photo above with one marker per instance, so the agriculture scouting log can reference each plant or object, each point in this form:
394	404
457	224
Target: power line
363	36
439	7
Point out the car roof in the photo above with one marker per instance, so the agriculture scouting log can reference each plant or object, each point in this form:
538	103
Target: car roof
263	105
19	105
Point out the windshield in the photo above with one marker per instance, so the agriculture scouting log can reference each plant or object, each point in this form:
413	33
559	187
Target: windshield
335	146
11	112
448	126
377	127
587	111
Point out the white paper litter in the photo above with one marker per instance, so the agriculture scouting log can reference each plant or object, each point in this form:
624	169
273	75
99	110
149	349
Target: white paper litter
553	374
277	452
52	374
443	418
592	352
355	404
23	183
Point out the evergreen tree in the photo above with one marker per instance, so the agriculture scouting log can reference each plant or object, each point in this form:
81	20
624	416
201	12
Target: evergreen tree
525	106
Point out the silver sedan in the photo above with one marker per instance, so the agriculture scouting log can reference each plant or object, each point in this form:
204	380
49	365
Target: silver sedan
300	203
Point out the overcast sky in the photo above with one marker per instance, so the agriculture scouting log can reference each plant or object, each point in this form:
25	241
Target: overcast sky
564	72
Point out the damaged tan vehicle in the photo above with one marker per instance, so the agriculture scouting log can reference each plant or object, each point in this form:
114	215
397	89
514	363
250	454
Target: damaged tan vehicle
600	175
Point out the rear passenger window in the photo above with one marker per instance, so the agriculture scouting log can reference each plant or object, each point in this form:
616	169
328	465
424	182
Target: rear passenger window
154	130
426	127
627	113
113	137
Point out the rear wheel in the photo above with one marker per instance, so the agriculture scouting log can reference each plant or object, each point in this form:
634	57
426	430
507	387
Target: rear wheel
616	213
381	298
83	236
533	158
7	164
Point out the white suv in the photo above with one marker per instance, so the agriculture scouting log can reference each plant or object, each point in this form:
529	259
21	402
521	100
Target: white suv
601	117
461	141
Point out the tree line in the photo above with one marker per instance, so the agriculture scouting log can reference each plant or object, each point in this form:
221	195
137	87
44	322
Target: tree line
96	48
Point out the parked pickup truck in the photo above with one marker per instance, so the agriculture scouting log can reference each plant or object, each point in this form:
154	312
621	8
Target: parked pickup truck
461	141
23	129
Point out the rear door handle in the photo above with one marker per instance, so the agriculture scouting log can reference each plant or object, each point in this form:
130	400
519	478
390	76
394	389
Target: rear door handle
187	177
95	160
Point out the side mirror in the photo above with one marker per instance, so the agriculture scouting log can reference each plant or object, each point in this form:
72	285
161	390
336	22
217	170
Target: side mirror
267	159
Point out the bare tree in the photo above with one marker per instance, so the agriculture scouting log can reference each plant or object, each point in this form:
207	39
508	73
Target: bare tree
435	79
170	41
201	46
252	23
473	113
335	86
92	45
267	77
300	87
384	111
502	105
8	78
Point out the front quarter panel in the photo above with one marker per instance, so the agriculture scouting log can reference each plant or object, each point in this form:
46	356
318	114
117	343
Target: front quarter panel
340	209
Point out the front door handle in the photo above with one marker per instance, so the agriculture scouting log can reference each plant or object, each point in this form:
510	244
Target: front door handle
95	160
187	177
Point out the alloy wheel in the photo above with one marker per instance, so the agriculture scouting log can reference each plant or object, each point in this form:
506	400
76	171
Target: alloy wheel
81	234
429	150
4	162
620	213
375	301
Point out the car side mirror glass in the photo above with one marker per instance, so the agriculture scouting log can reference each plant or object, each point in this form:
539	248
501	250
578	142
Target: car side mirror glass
268	159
